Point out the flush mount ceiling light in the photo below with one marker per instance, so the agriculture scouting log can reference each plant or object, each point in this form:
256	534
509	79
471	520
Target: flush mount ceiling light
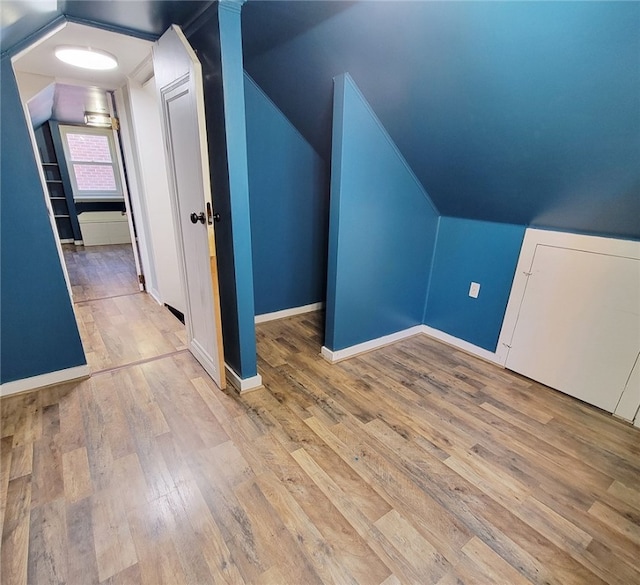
86	57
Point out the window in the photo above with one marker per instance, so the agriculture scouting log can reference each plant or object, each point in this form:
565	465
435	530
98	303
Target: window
92	163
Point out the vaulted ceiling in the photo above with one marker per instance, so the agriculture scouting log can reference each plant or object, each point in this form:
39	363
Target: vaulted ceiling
522	112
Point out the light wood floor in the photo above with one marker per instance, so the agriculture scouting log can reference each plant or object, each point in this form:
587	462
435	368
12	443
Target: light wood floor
118	324
414	463
98	272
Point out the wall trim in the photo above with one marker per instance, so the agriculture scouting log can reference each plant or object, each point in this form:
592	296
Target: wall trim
354	350
243	385
342	354
21	48
463	345
76	373
155	295
289	312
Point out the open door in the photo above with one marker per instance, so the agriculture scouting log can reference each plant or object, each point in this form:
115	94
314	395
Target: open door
135	242
179	84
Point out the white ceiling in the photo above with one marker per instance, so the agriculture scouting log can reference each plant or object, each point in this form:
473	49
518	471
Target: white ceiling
78	90
129	51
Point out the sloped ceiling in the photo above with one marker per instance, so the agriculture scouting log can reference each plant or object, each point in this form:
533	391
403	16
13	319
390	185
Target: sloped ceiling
19	19
519	112
146	18
274	22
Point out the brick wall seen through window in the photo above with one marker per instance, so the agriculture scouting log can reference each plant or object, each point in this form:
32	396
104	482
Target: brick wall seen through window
91	162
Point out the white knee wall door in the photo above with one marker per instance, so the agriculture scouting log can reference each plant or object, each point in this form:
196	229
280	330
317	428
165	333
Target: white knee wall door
573	318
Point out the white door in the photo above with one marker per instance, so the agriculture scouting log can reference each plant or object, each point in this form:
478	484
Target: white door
135	244
179	83
578	327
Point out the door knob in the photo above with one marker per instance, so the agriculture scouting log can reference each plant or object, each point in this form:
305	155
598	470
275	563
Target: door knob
195	218
212	216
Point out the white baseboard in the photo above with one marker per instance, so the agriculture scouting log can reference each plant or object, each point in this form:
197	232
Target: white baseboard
242	385
289	312
155	295
342	354
43	380
347	352
465	346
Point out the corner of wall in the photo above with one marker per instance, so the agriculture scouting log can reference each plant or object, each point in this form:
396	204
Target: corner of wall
236	140
382	229
468	251
334	208
430	277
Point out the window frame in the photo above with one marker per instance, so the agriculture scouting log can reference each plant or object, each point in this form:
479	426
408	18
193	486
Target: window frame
86	195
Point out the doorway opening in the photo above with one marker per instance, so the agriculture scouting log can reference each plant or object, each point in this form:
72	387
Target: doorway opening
132	94
102	234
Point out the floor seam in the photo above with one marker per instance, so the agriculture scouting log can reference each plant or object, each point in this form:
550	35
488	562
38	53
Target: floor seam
139	362
139	292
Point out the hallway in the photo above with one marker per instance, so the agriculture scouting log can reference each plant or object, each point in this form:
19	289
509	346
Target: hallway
412	464
118	324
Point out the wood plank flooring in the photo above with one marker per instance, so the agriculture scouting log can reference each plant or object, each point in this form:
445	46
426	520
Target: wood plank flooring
412	464
128	328
118	324
98	272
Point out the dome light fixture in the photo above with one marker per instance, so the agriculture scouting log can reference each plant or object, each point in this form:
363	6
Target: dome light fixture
86	57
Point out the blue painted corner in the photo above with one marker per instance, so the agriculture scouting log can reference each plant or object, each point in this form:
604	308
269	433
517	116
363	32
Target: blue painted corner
472	251
288	197
382	229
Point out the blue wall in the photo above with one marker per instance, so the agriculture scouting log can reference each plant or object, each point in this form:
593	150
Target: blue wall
216	38
472	251
38	331
288	196
513	112
382	229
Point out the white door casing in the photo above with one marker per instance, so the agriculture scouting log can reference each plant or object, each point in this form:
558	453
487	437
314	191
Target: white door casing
179	83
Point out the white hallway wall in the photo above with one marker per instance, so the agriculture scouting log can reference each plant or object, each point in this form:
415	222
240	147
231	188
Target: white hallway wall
145	116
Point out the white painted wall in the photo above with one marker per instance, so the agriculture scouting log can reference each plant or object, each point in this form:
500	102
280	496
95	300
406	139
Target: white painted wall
30	84
147	136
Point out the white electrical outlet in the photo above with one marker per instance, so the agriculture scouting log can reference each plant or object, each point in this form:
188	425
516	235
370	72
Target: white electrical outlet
474	290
